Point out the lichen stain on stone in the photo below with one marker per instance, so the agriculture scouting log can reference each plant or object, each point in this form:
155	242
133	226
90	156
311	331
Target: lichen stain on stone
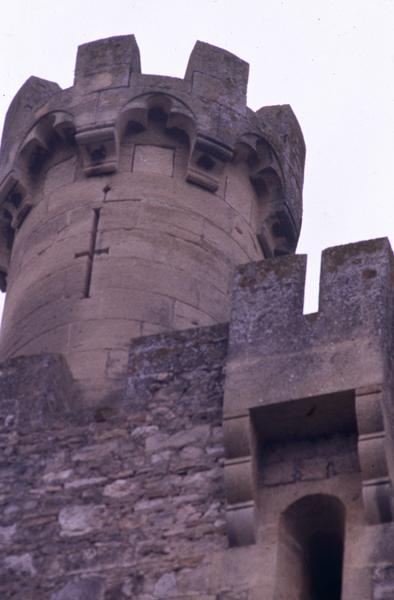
283	270
162	352
339	255
246	282
369	273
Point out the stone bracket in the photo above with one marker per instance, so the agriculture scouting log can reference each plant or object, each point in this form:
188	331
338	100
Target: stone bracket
99	149
239	482
37	144
373	449
206	163
15	200
278	233
136	112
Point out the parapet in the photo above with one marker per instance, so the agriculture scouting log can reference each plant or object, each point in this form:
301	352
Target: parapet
345	344
110	96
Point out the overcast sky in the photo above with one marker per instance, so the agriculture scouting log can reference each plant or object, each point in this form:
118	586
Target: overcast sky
333	61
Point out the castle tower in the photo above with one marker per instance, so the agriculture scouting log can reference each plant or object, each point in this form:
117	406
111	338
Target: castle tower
172	426
128	200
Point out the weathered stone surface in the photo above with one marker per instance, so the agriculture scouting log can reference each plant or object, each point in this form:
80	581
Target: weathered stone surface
107	63
79	520
87	512
35	389
83	589
20	564
6	534
341	347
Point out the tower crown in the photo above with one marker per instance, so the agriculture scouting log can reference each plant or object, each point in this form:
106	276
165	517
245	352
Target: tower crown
147	191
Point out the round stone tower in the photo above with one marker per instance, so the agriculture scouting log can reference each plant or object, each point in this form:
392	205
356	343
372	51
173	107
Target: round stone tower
127	200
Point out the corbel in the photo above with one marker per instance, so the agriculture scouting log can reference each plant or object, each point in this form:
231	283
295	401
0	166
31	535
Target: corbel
15	200
239	481
206	163
99	148
372	450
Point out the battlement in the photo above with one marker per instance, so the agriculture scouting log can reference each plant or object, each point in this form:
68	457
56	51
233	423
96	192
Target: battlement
345	343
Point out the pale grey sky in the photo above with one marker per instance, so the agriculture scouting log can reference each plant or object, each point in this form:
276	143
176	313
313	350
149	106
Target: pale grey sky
333	61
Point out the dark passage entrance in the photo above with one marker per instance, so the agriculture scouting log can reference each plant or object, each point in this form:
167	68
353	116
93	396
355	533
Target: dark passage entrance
310	551
325	565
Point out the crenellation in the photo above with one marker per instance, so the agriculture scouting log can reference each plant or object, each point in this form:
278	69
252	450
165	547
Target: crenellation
33	93
207	62
106	63
354	299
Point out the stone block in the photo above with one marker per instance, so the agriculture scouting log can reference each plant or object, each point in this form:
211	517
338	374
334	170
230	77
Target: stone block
147	275
107	63
91	588
118	216
369	412
89	335
371	451
240	524
6	535
41	386
116	363
174	220
218	75
186	316
237	437
278	474
81	519
152	329
83	193
239	480
214	302
240	194
120	488
60	175
20	564
378	500
87	363
223	242
154	159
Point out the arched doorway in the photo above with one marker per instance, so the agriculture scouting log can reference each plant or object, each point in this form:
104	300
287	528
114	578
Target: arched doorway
310	549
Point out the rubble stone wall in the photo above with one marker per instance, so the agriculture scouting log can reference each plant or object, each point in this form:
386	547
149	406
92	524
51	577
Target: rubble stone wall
120	503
